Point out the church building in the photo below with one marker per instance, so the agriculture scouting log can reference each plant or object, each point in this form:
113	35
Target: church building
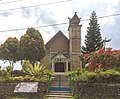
62	53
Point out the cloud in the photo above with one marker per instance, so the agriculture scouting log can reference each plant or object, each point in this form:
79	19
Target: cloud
6	14
26	12
117	7
113	30
45	17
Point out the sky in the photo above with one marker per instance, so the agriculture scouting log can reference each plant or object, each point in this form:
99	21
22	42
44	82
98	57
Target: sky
17	14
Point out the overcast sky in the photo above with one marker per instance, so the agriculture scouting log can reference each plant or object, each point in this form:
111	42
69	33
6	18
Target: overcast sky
54	12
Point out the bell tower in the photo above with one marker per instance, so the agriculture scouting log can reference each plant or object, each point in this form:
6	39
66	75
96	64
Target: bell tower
74	30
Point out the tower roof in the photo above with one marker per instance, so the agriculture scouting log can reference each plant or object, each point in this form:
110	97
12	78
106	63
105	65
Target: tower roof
75	19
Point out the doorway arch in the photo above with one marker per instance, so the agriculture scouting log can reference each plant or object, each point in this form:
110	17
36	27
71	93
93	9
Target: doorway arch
59	67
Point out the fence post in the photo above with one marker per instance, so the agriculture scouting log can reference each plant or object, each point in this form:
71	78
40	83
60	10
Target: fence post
71	83
49	76
59	81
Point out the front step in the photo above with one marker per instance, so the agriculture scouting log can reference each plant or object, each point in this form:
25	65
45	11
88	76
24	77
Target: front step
59	95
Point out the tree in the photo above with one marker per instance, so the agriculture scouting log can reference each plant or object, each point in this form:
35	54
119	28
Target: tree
31	46
9	50
93	39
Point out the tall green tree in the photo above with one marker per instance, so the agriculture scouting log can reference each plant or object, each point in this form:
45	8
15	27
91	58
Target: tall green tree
93	39
9	50
31	46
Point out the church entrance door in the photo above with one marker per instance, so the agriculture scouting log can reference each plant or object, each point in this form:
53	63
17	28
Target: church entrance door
59	67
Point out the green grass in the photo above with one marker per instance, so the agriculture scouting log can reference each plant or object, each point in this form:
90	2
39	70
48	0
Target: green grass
19	98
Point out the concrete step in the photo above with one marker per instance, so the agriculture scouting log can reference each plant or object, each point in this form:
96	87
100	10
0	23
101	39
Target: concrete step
59	95
57	98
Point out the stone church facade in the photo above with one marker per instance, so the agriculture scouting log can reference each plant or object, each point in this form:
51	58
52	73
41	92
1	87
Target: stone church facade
62	53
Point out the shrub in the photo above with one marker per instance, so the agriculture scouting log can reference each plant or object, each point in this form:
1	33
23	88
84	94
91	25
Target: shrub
110	76
102	59
1	79
83	77
107	76
29	78
37	70
48	73
18	73
92	77
6	75
19	78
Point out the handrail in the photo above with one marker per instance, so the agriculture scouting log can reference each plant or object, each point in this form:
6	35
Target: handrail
71	83
49	82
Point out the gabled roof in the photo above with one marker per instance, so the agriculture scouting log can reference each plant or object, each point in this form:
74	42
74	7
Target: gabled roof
58	35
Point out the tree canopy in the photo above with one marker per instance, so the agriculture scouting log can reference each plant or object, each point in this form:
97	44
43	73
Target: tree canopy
31	46
93	39
9	50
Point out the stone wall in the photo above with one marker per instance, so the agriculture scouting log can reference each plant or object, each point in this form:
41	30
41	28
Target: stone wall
7	90
96	90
